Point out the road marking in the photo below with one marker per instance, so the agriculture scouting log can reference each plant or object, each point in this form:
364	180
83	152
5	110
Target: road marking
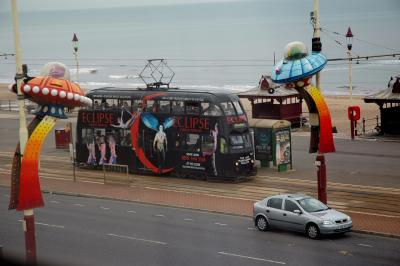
79	205
131	211
49	225
54	201
104	208
251	258
139	239
365	245
159	215
220	224
188	219
251	228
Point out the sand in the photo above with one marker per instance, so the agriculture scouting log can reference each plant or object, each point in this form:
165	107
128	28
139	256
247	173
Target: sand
336	104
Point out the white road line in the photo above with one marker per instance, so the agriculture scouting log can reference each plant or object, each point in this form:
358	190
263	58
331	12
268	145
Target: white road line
79	205
104	208
49	225
139	239
220	224
251	258
188	219
251	228
159	215
130	211
365	245
54	201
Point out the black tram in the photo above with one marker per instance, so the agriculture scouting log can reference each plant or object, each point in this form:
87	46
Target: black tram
166	131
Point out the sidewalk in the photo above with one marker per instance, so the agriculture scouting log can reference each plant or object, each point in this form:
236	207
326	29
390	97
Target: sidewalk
385	225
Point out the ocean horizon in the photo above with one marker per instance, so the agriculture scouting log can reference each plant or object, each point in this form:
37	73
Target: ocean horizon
209	46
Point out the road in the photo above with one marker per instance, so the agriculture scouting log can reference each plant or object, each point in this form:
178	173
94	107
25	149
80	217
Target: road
86	231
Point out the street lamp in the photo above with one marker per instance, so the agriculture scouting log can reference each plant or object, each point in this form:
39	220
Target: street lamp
75	47
351	111
349	38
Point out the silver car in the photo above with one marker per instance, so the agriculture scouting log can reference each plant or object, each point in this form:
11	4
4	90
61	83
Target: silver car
301	213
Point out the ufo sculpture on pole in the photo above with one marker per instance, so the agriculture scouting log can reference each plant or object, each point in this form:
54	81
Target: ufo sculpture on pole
52	91
296	71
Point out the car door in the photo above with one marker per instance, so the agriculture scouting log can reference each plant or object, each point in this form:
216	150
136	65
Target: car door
293	221
274	211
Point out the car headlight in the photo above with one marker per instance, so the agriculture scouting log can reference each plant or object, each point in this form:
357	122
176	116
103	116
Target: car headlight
327	222
348	218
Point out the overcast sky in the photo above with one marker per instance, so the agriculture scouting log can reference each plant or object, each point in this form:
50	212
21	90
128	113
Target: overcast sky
35	5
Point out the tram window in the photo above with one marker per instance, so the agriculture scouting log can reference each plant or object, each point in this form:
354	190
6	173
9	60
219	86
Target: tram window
96	104
236	141
178	107
165	107
125	104
149	105
228	109
210	109
111	103
247	140
238	108
136	105
87	135
192	108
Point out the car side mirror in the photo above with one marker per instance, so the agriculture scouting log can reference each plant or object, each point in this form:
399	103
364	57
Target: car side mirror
297	211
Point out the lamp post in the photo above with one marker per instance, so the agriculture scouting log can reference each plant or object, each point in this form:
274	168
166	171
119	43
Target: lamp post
75	47
349	38
28	223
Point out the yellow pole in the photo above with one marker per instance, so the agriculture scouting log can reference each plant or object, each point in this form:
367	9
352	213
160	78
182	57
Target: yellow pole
317	34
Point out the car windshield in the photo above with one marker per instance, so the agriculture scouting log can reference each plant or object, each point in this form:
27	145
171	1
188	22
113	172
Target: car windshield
312	205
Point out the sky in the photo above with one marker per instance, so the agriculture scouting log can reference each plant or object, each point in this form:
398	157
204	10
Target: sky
36	5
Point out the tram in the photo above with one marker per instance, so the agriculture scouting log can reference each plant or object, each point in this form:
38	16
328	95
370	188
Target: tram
166	131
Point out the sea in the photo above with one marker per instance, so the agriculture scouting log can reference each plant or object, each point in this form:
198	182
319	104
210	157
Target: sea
209	46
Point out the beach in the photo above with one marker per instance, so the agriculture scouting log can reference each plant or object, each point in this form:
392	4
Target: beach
337	106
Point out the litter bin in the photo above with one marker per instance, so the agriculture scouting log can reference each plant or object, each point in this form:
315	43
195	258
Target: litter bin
63	138
272	142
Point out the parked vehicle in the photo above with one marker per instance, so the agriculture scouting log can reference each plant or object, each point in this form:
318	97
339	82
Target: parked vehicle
298	212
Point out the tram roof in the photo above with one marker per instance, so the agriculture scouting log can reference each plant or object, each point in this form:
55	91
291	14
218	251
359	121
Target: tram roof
171	93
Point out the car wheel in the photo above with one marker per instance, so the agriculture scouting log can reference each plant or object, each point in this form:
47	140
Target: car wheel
312	231
262	223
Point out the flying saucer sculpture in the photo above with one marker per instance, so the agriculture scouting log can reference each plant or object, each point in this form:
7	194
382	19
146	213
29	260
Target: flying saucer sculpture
52	92
296	71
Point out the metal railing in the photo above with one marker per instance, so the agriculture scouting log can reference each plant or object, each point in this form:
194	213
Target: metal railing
116	173
8	105
370	125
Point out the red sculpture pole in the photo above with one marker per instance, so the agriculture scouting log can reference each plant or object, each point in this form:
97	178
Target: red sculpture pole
30	242
352	129
321	175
